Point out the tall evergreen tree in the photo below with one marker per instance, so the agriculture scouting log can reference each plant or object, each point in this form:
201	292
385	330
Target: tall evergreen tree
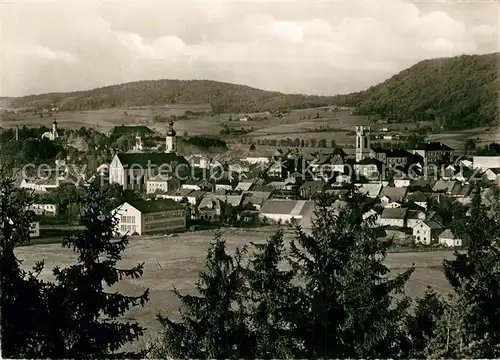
471	323
352	312
84	314
212	324
23	313
272	300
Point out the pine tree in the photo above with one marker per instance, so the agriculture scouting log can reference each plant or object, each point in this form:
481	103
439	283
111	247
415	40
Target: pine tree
212	324
352	312
23	313
84	315
471	325
273	301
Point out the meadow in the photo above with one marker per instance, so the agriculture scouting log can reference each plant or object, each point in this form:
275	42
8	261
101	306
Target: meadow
177	260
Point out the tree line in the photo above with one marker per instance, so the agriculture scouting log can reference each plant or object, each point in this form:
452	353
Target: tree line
324	294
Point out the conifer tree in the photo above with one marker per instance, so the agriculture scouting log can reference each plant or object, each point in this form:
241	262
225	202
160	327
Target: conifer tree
273	301
23	313
470	326
352	310
212	324
84	313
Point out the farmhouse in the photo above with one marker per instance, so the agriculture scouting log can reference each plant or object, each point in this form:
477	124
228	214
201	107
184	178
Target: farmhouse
447	238
161	184
150	216
393	217
426	232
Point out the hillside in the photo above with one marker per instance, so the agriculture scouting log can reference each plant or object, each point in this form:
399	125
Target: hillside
461	92
223	97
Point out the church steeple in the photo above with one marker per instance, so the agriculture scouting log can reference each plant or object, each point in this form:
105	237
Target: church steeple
171	140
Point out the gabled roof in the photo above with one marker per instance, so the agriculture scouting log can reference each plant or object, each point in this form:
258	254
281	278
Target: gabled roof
417	196
244	185
394	213
447	234
394	193
434	146
180	192
443	185
151	206
433	225
372	190
255	197
314	186
461	190
276	206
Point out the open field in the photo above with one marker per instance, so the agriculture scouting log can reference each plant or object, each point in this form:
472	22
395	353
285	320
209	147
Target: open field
295	124
176	261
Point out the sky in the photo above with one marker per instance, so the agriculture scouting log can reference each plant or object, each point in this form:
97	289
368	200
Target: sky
311	47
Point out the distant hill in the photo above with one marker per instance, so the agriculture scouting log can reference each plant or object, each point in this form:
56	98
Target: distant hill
460	92
223	97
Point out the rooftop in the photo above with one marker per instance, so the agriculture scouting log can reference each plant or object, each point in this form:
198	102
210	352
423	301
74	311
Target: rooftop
151	206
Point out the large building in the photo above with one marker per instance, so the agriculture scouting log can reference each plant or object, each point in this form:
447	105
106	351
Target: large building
133	170
150	217
434	152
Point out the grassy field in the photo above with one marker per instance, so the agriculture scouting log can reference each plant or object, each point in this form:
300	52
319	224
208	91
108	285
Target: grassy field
176	261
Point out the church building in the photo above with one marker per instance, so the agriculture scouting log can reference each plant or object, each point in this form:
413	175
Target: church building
133	170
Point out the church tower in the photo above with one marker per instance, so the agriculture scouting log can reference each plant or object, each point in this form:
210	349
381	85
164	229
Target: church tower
54	130
171	140
362	142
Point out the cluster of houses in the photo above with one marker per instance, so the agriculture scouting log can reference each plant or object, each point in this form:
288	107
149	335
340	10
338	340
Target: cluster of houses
282	188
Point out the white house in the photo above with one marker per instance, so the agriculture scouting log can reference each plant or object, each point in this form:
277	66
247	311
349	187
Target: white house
47	209
447	238
256	160
161	184
399	183
426	232
393	217
150	217
178	195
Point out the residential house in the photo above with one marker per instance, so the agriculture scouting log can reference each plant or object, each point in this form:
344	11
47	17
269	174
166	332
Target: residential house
255	199
244	185
162	184
45	208
150	216
393	217
223	184
390	194
444	186
492	175
426	232
256	160
418	198
461	190
371	189
414	217
190	196
309	189
210	209
198	161
193	184
447	238
399	183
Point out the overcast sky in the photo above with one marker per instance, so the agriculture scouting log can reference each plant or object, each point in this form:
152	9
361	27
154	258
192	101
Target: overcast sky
314	47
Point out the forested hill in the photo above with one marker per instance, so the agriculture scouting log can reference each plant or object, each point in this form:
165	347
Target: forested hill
224	97
462	92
